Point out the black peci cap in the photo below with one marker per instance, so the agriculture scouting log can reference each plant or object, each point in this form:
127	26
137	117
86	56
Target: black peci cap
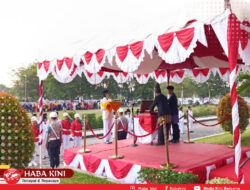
170	88
105	92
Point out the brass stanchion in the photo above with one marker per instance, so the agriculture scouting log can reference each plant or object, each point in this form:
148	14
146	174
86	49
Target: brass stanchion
188	134
168	164
116	156
85	150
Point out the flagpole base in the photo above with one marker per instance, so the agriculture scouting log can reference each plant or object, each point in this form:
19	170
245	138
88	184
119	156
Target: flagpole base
116	156
188	142
169	166
84	151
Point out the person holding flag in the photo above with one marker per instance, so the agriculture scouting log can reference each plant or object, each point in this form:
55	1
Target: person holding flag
107	117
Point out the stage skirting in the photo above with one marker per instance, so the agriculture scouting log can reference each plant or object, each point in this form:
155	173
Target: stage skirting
198	158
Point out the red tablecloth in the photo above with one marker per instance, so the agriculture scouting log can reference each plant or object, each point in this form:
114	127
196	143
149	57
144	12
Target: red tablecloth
147	122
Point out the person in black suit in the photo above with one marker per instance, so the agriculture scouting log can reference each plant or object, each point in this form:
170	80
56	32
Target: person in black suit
173	102
164	112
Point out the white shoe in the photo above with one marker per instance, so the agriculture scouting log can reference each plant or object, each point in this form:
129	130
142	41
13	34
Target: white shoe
34	163
30	164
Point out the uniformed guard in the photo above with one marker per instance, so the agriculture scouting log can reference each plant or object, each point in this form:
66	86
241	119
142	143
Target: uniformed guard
130	122
164	112
190	119
66	130
173	102
35	130
44	127
53	140
76	127
107	117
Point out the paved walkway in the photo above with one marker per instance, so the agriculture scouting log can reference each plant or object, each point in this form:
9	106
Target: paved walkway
199	131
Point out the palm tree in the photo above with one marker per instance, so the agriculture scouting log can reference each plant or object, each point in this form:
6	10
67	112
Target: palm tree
244	84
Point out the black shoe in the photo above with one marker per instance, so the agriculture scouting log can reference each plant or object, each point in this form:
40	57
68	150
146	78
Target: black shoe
191	131
175	141
171	140
107	142
158	144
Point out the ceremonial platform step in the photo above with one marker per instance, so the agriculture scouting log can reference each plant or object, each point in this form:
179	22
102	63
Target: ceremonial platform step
228	171
198	158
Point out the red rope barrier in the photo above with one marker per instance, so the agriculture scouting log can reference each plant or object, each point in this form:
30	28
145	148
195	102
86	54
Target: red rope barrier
96	135
137	135
213	124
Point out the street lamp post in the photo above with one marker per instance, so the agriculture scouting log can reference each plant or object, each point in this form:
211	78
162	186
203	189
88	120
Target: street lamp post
25	76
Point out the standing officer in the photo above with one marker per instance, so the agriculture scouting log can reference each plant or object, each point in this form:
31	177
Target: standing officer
77	130
173	102
35	131
54	139
107	117
164	113
66	127
44	127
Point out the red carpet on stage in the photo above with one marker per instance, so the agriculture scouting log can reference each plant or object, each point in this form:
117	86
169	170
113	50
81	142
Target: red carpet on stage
197	158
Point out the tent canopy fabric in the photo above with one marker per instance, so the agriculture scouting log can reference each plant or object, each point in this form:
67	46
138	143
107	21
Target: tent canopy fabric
195	50
203	41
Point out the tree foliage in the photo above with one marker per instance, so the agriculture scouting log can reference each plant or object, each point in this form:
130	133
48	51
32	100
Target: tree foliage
244	84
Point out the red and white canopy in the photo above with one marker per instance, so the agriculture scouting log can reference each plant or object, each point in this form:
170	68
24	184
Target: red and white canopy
195	50
141	42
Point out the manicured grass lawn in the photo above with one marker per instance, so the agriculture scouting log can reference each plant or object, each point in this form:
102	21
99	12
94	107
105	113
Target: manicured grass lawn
81	178
227	139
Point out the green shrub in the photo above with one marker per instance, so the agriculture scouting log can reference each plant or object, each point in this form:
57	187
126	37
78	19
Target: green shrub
224	108
72	114
91	118
196	103
220	181
166	176
17	141
99	122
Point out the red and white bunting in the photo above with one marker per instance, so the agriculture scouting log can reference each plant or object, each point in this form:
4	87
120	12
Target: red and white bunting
200	75
121	77
63	67
224	73
68	78
113	169
244	47
160	76
43	69
95	78
142	78
177	76
93	62
176	47
129	57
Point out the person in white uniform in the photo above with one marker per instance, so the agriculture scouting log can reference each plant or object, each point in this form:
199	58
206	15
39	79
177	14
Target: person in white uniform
44	127
107	117
190	120
181	120
130	123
